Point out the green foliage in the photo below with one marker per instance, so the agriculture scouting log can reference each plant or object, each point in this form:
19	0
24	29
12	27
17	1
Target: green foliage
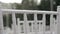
45	5
9	21
18	6
4	21
26	5
21	16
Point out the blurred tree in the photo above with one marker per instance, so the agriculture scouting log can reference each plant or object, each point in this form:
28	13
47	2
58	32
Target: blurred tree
45	5
18	6
27	4
56	3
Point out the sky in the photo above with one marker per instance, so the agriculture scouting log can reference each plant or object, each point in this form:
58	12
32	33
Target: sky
11	1
14	1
